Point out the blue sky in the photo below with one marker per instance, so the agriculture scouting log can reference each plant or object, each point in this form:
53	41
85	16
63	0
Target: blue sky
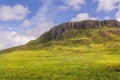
25	20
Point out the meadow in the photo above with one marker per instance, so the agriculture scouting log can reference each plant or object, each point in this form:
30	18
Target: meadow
63	62
85	54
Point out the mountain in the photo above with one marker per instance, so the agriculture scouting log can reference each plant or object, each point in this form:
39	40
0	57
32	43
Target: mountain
86	50
78	33
58	31
85	29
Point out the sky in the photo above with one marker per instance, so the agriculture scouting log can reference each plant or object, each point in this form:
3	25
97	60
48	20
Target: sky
25	20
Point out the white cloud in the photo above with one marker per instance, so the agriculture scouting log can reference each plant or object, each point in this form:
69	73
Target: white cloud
41	21
13	39
93	18
26	23
17	12
74	4
82	16
40	29
107	17
107	5
117	16
38	25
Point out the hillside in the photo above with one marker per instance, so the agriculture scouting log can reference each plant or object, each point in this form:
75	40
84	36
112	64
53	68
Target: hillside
86	50
80	33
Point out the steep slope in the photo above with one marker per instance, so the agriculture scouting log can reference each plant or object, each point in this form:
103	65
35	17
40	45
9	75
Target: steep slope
57	32
87	28
78	33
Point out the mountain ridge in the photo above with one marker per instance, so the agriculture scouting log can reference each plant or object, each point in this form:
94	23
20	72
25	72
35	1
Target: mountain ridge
86	24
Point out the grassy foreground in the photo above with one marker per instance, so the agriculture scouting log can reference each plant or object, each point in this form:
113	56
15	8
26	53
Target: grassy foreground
63	62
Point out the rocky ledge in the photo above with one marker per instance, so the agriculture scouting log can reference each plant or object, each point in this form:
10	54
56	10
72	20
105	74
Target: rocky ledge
87	24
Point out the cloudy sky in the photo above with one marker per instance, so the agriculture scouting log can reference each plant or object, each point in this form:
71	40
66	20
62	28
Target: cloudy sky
25	20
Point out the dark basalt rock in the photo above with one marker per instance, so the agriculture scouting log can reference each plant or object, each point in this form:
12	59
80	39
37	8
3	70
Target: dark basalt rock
56	31
110	23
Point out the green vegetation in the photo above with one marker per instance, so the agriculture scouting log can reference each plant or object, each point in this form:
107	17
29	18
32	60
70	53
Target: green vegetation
88	55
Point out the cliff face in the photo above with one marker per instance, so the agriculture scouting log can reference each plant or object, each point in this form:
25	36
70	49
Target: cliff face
87	24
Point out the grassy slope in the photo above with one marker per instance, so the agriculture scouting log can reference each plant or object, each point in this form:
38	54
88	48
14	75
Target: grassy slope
69	59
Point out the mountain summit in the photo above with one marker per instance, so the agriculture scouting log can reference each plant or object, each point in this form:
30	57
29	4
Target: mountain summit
57	31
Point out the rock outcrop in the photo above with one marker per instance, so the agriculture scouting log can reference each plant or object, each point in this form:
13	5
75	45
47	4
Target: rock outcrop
56	31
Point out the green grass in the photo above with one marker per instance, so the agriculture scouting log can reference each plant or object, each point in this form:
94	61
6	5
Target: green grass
61	62
87	54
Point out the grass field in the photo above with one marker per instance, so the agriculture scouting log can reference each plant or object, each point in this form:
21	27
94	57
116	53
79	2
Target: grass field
63	62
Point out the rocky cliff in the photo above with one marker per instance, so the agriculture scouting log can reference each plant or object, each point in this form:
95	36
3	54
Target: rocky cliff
56	31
